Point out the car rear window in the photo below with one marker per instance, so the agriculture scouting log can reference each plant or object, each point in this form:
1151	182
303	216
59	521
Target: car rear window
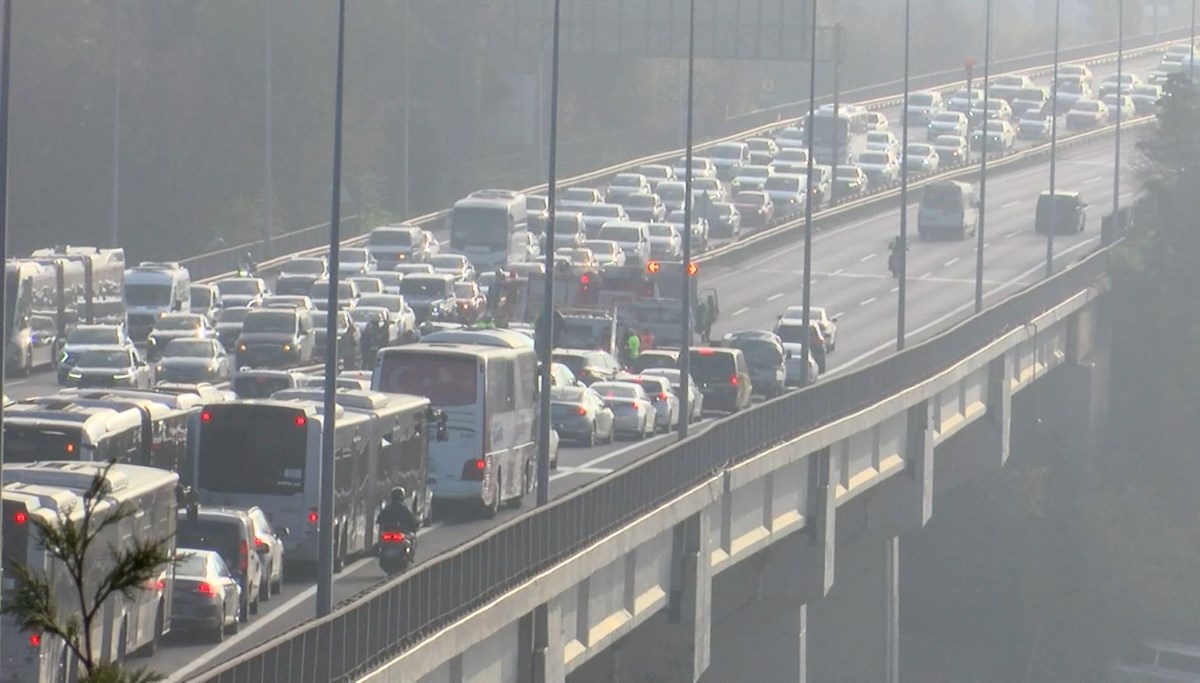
222	536
712	364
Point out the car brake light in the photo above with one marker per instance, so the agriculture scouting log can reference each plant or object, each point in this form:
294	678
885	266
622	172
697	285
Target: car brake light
301	420
704	352
205	589
633	405
205	416
258	542
20	517
35	639
581	411
733	380
391	537
243	556
662	395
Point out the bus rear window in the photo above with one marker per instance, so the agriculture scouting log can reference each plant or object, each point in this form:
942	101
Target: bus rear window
447	381
259	386
30	444
252	449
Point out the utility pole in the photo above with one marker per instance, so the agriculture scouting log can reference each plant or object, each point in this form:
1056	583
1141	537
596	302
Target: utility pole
685	346
1054	146
982	225
902	291
809	126
4	91
115	230
269	180
1120	95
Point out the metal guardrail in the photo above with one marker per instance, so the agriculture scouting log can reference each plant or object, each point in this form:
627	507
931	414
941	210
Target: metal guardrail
378	625
310	241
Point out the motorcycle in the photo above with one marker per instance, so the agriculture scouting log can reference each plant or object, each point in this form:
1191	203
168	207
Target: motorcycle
396	551
894	263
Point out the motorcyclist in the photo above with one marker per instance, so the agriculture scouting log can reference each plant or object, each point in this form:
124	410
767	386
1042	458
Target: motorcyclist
397	515
248	267
484	322
704	321
896	248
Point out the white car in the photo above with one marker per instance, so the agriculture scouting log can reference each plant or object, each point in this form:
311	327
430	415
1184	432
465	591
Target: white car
881	167
921	158
606	253
1001	137
665	242
355	260
1128	110
632	237
523	247
795	367
820	317
924	105
789	156
666	403
883	141
877	120
751	178
625	184
1070	91
400	313
791	138
951	148
702	167
948	123
633	411
695	396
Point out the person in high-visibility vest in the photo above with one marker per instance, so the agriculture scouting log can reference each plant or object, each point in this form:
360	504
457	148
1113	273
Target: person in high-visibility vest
633	347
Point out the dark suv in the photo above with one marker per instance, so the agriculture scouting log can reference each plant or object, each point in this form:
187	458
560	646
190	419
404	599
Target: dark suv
231	534
589	366
723	376
276	337
766	357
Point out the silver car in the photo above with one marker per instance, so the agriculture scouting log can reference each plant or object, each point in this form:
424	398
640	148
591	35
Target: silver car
633	411
695	397
666	403
193	360
268	541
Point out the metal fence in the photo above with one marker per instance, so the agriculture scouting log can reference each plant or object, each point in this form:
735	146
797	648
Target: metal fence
224	260
381	623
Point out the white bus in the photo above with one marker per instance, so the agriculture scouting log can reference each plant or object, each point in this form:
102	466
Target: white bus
483	223
64	430
126	625
489	397
268	453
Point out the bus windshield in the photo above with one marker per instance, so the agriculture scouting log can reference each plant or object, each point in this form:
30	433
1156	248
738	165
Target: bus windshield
471	226
257	449
447	380
147	295
827	130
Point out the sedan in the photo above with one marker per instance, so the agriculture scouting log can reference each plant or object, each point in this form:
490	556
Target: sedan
820	317
1128	82
666	403
702	167
997	110
86	338
580	196
643	207
268	542
924	105
726	221
606	253
349	345
1034	98
1008	86
596	215
1127	107
1145	98
921	158
469	301
176	326
241	291
751	178
1035	124
695	397
665	243
791	137
110	368
315	267
1086	114
713	186
757	209
1000	136
881	168
672	193
948	123
877	120
205	596
762	150
796	370
850	181
789	156
625	184
193	360
399	312
633	411
883	141
578	413
355	260
581	258
951	148
656	173
453	264
787	192
700	229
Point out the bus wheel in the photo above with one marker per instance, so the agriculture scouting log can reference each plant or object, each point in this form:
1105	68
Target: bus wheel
490	511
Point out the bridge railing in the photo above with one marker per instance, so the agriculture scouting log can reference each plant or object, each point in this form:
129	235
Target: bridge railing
381	623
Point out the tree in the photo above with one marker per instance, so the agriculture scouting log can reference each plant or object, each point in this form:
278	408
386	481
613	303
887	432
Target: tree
73	540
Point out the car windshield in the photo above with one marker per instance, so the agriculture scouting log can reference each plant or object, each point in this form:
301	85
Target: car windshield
465	290
878	158
234	315
423	286
353	256
579	194
536	203
626	180
948	141
848	172
105	359
188	348
391	238
620	233
147	295
655	171
611	390
388	301
946	118
599	247
177	324
640	201
726	151
920	150
270	322
104	335
366	315
878	136
1032	94
671	190
791	155
751	198
321	321
756	172
452	261
191	564
604	210
243	287
1070	86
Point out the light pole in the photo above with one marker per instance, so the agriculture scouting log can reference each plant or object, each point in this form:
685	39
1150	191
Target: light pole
902	291
980	228
547	326
837	95
325	552
1054	145
1192	42
1117	146
407	67
115	229
809	126
269	180
4	63
685	345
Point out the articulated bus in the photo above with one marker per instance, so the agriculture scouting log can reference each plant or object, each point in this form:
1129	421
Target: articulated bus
267	452
489	397
64	430
127	625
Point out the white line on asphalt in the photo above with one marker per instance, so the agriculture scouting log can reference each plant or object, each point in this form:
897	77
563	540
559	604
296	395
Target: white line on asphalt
864	303
926	276
1011	234
1010	204
249	630
951	262
567	471
741	311
838	315
774	296
985	244
591	464
839	271
943	318
866	258
895	289
16	381
1093	179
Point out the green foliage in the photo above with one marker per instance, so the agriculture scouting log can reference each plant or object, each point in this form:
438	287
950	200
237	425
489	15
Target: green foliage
72	540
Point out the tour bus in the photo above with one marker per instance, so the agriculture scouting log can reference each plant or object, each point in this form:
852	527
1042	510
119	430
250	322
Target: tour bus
267	452
63	430
153	290
100	273
488	396
948	208
483	223
127	625
845	133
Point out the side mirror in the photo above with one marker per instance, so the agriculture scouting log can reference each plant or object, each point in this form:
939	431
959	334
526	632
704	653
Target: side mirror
282	532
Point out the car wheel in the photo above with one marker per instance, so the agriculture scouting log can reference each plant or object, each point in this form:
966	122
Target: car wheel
264	589
244	610
277	584
234	626
591	438
254	604
218	634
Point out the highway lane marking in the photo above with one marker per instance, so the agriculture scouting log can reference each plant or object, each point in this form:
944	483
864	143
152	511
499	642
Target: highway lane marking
774	296
1010	204
839	271
16	381
866	258
926	276
591	464
1093	179
1011	234
986	245
741	311
248	630
895	289
868	301
837	315
967	306
951	262
568	471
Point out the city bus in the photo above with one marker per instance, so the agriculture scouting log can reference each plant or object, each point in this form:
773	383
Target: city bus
846	133
126	625
483	223
63	430
489	397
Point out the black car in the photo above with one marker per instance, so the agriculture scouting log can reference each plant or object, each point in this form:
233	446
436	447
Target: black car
276	337
349	343
229	326
431	296
766	357
589	366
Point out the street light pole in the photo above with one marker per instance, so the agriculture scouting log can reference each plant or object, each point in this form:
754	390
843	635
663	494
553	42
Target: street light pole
325	554
1117	146
1054	146
1192	42
547	327
115	229
809	126
4	90
685	346
269	181
980	228
902	291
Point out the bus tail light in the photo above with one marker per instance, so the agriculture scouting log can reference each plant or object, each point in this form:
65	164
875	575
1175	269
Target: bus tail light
473	469
312	516
35	640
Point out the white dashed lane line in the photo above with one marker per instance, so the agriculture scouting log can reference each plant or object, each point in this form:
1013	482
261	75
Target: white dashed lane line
864	303
741	311
866	258
951	262
774	296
